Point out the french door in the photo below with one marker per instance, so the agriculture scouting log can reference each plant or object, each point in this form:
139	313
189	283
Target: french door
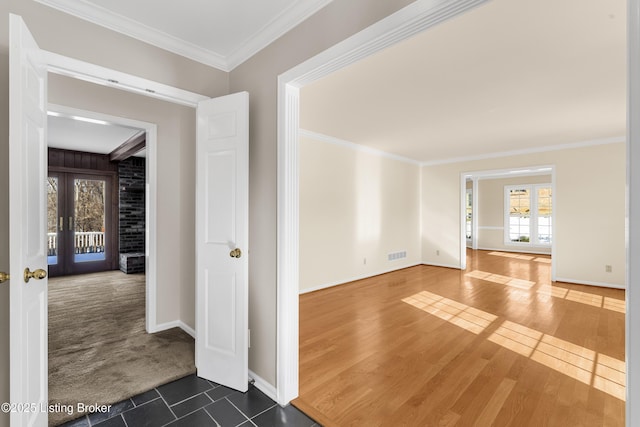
80	223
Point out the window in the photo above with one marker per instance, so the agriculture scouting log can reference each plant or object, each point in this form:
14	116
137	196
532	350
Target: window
528	213
469	212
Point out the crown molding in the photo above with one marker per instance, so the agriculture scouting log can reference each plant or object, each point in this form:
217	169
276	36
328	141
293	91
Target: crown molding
353	146
276	28
569	146
103	17
113	21
408	21
358	147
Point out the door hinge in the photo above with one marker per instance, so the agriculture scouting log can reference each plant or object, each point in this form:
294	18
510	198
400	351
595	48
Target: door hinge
248	338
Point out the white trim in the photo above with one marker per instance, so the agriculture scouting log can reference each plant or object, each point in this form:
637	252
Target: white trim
569	146
632	326
490	227
401	25
175	324
355	279
590	283
434	264
409	21
474	213
554	264
81	70
467	192
501	173
288	263
515	251
281	24
121	24
533	215
263	385
151	204
463	222
353	146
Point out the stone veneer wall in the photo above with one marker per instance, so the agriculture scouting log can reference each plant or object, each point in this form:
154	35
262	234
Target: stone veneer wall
132	214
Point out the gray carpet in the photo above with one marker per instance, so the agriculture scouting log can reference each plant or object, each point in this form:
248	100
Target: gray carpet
99	351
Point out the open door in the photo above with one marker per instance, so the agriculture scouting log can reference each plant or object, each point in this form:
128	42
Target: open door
222	191
27	219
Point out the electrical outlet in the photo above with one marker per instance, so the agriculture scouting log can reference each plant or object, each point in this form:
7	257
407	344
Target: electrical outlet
438	252
364	261
607	268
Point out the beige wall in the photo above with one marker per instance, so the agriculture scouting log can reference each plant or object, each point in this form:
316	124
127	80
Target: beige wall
69	36
590	210
337	21
176	183
491	213
354	206
64	34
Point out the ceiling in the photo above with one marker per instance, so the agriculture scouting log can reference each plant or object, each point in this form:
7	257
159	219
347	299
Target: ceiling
94	136
219	33
509	76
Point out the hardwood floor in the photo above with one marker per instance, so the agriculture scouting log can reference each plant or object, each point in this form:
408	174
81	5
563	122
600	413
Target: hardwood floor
497	344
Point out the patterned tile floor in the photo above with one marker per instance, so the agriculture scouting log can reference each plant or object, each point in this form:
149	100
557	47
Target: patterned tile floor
195	402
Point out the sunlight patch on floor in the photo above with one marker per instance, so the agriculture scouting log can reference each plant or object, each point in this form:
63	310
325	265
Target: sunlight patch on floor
502	280
583	298
587	366
598	370
512	255
462	315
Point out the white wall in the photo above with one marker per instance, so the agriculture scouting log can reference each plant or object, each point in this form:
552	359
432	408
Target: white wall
491	213
590	210
354	206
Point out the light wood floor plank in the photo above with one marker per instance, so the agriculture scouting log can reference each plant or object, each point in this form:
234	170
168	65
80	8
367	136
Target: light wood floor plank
497	344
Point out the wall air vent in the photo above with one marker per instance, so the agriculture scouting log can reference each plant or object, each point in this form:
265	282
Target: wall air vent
396	255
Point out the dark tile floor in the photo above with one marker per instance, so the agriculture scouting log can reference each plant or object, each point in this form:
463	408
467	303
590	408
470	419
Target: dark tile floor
195	402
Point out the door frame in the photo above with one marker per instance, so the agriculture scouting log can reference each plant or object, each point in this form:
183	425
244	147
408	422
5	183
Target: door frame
497	174
401	25
151	176
66	265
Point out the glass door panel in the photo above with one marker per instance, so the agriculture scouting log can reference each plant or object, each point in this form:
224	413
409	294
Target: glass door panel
53	218
89	223
80	215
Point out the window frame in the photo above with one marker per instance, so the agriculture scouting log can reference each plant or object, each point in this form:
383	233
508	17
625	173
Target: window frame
468	223
533	217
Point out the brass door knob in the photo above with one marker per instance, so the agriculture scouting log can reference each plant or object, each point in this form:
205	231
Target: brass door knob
4	277
236	253
38	274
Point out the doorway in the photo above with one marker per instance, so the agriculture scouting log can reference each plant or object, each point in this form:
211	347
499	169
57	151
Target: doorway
478	236
150	197
409	21
81	231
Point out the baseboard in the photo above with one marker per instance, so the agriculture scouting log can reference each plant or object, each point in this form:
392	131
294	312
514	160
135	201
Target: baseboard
262	385
515	250
589	283
175	324
353	279
433	264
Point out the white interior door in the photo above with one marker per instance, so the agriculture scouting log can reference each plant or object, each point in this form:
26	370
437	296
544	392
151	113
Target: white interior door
222	191
28	214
